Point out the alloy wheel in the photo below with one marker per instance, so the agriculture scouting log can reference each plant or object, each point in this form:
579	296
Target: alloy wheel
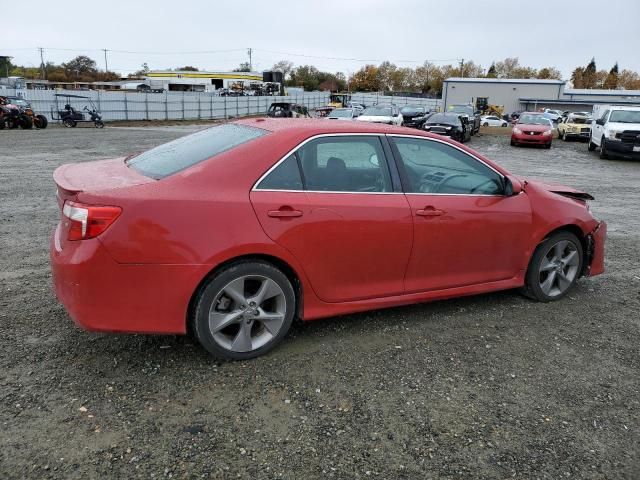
559	268
247	313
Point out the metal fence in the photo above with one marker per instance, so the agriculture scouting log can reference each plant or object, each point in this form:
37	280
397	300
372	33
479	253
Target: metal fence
116	105
163	106
372	98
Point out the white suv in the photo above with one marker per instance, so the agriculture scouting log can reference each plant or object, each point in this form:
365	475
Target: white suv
615	129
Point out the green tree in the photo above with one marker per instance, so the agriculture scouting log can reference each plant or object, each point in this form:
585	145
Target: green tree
589	77
611	82
492	73
188	68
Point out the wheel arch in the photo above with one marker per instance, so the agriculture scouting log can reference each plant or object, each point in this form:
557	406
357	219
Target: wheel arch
578	232
277	262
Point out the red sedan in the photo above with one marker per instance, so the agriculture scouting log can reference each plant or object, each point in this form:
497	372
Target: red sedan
234	231
532	128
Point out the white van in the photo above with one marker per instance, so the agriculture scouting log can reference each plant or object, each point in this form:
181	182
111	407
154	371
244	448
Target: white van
615	130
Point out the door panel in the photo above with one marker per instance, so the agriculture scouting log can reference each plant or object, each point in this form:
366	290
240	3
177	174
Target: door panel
351	245
467	240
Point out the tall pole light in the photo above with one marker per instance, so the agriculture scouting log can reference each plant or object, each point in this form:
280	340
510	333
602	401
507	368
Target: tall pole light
106	65
42	69
250	51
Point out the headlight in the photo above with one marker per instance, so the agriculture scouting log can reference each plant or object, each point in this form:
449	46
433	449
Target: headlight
517	131
547	132
427	127
612	135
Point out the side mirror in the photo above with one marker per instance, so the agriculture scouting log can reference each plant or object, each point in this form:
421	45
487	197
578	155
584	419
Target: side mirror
600	121
512	186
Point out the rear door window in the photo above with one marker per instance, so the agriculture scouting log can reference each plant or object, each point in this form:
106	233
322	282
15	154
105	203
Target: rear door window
172	157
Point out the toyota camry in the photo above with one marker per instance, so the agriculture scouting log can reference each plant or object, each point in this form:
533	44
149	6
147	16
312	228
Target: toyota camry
234	231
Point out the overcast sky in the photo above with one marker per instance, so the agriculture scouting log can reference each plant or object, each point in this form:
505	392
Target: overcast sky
168	34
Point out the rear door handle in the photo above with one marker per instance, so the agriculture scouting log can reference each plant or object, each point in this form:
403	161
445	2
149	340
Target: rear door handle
284	212
430	212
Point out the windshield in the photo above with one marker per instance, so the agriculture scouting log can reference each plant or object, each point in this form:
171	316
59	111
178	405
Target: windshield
378	112
625	116
341	113
534	120
412	110
172	157
578	119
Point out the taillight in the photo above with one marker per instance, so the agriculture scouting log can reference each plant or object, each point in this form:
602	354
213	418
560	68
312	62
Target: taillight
88	221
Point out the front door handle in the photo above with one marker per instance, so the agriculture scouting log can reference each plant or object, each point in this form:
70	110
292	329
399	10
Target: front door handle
284	212
430	212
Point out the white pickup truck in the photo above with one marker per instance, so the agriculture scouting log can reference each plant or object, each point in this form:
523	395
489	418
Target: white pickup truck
615	130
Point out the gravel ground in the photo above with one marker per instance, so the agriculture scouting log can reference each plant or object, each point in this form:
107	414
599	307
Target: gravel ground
492	386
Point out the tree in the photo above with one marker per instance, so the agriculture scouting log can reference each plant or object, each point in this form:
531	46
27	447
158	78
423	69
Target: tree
611	82
589	79
386	72
577	77
549	73
5	66
243	67
144	70
629	80
81	65
283	66
365	79
492	73
507	67
188	68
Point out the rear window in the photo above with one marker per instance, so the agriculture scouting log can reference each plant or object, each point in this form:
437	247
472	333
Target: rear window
172	157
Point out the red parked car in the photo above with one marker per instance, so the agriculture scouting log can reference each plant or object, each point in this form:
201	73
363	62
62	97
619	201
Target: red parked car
532	128
235	230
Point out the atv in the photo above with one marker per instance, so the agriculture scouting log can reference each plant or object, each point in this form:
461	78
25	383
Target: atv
12	116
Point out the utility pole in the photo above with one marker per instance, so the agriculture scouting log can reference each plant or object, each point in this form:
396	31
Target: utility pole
462	68
106	65
250	51
42	69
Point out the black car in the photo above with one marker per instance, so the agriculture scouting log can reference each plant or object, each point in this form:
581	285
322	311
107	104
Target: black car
472	114
414	116
454	125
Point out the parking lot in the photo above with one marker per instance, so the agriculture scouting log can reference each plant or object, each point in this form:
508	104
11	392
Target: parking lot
491	386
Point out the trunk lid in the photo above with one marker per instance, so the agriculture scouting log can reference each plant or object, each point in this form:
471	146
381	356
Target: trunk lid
96	176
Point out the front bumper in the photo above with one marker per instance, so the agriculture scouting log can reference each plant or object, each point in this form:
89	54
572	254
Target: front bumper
595	250
623	148
105	296
531	139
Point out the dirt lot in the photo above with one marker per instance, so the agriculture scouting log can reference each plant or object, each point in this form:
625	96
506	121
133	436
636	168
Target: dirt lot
492	386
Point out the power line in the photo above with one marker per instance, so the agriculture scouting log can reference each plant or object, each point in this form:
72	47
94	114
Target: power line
355	59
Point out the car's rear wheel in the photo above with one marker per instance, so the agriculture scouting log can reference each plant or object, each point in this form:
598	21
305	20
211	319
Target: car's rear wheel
244	311
486	124
554	268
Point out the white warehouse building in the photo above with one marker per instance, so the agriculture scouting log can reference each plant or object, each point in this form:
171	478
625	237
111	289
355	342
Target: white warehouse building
531	94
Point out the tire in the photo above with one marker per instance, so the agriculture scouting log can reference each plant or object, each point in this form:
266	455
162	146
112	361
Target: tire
551	275
504	124
547	146
513	144
486	124
98	124
2	124
69	123
228	296
564	137
603	150
26	122
40	121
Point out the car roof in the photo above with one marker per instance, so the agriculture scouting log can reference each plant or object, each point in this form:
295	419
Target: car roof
316	126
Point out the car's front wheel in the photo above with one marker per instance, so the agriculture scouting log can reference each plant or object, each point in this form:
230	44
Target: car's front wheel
244	311
554	268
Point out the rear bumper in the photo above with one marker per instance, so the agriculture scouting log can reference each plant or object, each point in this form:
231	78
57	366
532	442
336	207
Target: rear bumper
102	295
622	148
596	244
532	139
